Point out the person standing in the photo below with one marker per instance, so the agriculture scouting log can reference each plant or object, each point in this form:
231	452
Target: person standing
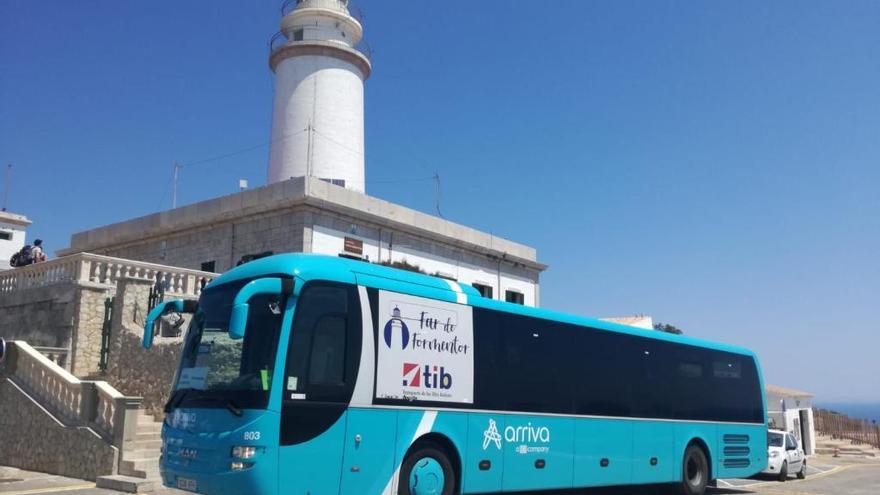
37	253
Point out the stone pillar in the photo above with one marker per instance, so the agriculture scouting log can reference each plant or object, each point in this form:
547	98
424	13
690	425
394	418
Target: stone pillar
88	321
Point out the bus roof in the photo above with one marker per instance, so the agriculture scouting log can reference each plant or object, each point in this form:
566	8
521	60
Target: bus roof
316	266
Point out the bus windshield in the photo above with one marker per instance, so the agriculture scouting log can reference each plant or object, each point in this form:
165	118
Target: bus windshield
216	370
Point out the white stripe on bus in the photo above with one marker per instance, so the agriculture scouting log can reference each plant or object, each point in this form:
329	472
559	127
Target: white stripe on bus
425	426
460	296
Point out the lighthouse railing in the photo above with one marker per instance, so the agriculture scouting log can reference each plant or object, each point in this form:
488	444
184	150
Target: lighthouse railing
353	10
279	40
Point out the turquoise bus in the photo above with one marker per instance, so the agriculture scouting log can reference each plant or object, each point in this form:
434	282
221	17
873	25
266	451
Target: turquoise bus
307	374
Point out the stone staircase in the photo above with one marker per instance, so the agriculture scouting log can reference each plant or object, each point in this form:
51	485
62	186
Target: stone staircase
139	467
122	437
825	445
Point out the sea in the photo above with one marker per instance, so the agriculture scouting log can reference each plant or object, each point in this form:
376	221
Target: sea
869	411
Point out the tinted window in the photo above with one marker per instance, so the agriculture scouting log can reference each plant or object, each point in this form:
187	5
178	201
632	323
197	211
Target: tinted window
325	339
653	383
521	363
328	352
602	372
534	365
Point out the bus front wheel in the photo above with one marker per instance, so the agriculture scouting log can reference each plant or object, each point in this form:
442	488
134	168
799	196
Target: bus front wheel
426	470
695	472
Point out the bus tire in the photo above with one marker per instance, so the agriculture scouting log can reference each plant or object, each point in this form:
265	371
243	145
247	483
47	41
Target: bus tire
427	470
694	471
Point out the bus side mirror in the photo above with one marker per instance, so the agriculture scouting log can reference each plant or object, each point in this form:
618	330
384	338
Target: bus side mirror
178	305
241	304
2	350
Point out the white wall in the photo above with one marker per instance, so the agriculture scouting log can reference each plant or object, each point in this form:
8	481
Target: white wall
328	94
329	241
8	248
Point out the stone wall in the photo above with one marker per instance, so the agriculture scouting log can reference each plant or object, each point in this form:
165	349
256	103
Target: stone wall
223	243
33	439
133	370
91	307
68	315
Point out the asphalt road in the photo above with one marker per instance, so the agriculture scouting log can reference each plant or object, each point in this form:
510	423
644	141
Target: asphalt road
826	477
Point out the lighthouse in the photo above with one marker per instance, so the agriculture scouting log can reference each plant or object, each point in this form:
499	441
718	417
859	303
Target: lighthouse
318	109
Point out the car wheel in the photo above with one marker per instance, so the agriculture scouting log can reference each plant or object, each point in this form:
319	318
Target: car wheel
803	472
426	471
783	472
694	472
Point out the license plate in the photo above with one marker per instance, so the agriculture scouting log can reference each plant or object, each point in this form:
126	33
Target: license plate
186	484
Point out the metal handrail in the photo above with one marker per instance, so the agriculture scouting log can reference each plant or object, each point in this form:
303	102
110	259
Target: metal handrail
279	40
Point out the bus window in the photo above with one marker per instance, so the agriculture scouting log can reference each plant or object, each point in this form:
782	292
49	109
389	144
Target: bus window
328	352
321	356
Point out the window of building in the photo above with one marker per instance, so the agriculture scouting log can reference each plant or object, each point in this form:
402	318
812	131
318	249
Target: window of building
298	35
514	297
209	266
5	235
484	290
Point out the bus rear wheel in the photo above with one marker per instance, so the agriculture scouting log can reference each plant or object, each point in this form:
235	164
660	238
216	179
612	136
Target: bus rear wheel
426	470
695	472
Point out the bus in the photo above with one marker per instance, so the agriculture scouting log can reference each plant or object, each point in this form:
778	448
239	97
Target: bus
309	374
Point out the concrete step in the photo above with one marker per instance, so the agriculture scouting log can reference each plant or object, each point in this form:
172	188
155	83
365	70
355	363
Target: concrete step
148	444
142	468
127	484
131	455
149	427
141	437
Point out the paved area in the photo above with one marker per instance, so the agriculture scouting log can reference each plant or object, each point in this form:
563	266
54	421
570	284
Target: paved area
826	476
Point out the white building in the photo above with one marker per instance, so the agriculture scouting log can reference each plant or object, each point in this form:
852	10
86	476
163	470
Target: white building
792	411
13	234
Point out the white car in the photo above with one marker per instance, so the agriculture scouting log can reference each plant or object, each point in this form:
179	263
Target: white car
784	456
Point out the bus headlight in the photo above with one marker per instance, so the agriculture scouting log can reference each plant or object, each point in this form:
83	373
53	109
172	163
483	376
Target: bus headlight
243	452
238	466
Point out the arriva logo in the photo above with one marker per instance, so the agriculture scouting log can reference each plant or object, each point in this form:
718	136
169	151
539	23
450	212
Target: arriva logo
522	435
396	326
491	435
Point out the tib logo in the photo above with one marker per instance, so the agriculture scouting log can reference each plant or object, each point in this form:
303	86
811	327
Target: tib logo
395	327
492	435
414	375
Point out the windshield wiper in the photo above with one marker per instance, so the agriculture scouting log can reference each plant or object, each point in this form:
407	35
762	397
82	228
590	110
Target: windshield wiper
176	399
233	408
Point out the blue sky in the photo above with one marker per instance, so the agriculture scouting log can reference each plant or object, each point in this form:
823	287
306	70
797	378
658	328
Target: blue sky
713	164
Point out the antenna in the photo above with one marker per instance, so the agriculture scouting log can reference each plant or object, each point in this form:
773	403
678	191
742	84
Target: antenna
177	168
437	193
6	187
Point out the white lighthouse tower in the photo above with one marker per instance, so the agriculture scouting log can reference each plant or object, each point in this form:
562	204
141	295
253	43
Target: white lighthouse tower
318	112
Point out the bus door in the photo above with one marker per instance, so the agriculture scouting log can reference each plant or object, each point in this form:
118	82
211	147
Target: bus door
322	362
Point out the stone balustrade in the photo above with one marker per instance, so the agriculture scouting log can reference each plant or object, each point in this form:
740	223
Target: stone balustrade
103	270
58	355
75	402
51	385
